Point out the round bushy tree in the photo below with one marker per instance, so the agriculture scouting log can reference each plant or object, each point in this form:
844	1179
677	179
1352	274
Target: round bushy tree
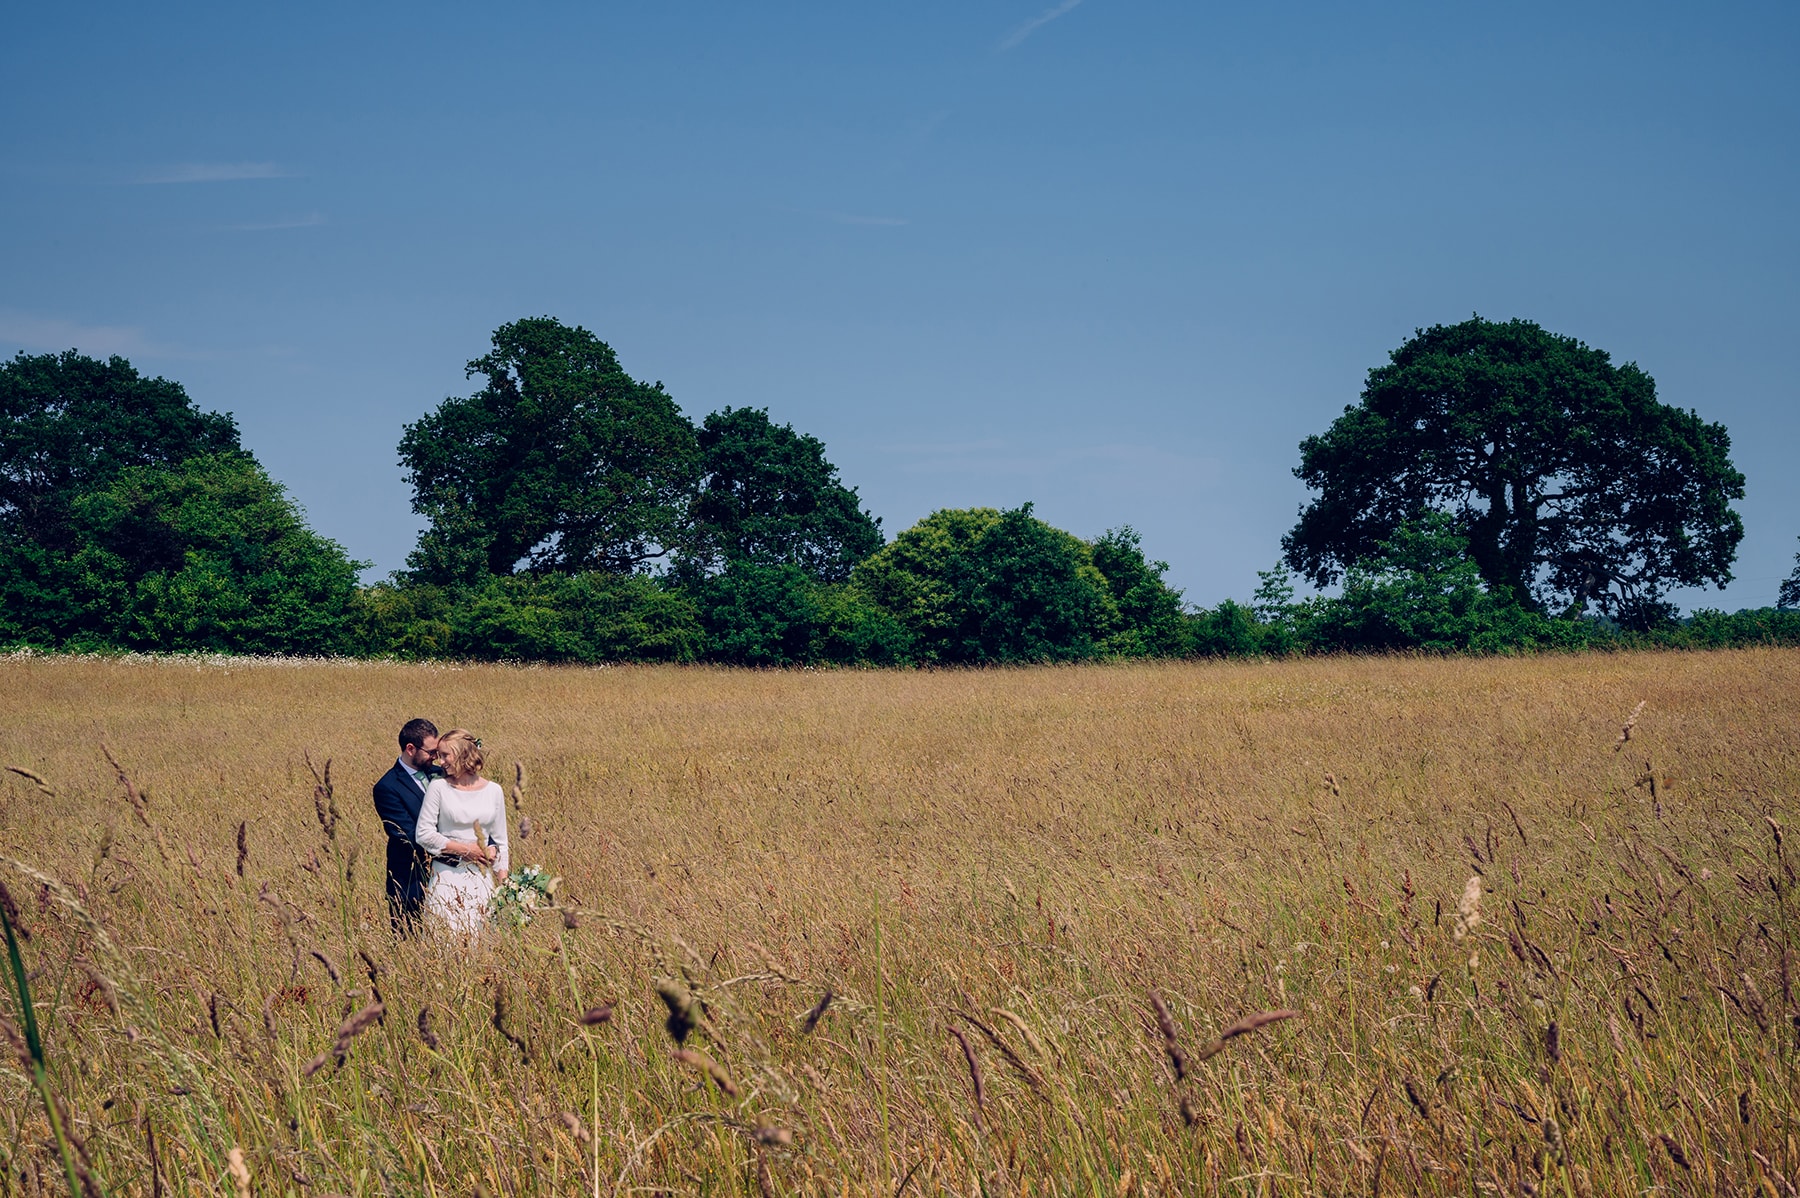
1574	486
769	497
69	424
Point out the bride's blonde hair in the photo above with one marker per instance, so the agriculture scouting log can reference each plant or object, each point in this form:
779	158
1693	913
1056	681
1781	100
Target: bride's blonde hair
462	752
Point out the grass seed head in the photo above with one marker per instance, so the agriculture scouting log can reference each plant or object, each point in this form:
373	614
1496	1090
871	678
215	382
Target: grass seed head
817	1013
681	1020
11	909
1165	1023
239	1171
693	1058
35	779
426	1035
1468	909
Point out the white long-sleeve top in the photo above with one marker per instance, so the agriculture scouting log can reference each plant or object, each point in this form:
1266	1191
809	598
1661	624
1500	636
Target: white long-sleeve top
447	814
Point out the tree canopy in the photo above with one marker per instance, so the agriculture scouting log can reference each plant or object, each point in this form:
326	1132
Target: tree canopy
1573	485
210	554
1495	484
769	497
69	424
981	585
561	462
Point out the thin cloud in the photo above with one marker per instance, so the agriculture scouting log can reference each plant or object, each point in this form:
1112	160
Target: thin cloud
42	333
1038	22
216	172
846	218
306	221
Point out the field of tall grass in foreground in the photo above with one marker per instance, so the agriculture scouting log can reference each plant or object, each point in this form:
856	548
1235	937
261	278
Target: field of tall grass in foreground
1516	952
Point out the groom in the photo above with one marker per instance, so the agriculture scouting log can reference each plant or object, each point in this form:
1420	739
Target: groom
397	798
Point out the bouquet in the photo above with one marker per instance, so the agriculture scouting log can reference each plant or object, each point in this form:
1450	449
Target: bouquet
524	891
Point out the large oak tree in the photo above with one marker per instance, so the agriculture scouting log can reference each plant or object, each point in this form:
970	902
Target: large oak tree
562	462
1575	486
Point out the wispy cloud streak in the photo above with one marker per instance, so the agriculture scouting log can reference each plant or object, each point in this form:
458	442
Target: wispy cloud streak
1038	22
846	218
215	172
306	221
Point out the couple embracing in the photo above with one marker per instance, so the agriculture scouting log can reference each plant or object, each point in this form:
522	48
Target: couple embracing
446	830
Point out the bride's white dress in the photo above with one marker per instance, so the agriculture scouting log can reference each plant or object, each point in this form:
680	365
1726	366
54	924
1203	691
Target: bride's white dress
459	891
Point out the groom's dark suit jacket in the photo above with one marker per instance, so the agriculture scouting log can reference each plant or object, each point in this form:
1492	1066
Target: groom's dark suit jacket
397	800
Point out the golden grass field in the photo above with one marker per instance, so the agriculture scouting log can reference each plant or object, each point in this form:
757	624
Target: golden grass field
1013	860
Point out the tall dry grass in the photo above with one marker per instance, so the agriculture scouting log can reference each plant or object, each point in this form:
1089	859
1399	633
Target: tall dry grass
1056	913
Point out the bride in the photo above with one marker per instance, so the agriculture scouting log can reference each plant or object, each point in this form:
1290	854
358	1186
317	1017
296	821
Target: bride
459	811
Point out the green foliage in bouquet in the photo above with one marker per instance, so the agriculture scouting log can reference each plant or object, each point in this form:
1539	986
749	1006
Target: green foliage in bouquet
524	891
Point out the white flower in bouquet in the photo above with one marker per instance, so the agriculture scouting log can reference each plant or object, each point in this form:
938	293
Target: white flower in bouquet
524	891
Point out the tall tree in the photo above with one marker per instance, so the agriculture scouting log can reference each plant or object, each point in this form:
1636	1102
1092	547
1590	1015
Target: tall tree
769	497
562	462
1573	484
69	424
1790	587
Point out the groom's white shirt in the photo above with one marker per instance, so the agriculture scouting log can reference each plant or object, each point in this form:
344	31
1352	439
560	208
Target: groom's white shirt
417	775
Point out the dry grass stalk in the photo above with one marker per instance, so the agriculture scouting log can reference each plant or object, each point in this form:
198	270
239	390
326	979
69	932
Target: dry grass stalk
683	1010
1630	723
107	989
1032	1077
139	804
1165	1023
426	1035
1172	819
1243	1027
501	1006
1024	1030
693	1058
11	907
347	1032
373	973
1774	1174
771	1136
156	1181
1468	909
324	799
238	1171
817	1013
15	1040
330	967
974	1072
35	779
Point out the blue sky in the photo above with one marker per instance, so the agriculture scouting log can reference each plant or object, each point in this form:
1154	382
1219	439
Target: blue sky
1116	257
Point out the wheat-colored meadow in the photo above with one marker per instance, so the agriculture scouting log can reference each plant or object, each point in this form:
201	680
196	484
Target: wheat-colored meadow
990	872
